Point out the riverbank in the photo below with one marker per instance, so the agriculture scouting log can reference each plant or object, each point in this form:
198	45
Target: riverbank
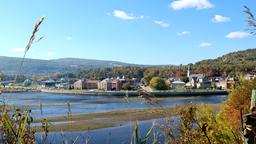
135	93
19	90
83	122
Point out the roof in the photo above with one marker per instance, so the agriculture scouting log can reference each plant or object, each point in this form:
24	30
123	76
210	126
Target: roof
196	76
178	82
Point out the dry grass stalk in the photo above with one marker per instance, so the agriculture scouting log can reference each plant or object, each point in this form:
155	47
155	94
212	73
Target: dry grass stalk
30	42
250	20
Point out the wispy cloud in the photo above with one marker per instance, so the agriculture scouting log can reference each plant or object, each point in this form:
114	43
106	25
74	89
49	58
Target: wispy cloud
205	44
237	35
49	54
18	49
162	23
220	19
184	33
123	15
198	4
69	38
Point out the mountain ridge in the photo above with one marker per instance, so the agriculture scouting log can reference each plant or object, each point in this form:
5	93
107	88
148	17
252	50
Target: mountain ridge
9	65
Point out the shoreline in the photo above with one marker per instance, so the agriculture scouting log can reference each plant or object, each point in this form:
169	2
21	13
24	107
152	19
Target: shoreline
167	93
135	93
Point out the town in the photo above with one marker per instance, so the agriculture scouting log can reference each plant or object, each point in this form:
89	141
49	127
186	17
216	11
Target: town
191	81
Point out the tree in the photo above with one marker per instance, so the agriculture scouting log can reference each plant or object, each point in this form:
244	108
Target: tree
185	79
157	83
1	76
239	98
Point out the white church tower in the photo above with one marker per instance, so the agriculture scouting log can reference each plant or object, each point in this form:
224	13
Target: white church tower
188	72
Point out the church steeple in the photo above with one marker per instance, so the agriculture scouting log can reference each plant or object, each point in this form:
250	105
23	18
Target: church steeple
188	72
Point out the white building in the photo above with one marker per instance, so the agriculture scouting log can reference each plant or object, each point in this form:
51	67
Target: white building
178	85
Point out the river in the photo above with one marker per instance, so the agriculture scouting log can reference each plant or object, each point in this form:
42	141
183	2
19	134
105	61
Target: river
56	105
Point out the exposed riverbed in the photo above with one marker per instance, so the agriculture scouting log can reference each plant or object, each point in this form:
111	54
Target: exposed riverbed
109	118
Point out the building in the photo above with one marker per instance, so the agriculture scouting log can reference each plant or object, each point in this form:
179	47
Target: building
194	79
49	83
105	85
178	85
116	85
203	83
198	81
249	77
27	83
86	84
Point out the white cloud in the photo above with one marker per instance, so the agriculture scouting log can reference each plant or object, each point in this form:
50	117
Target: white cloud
122	15
69	38
161	23
220	18
18	49
236	35
205	44
184	33
198	4
49	54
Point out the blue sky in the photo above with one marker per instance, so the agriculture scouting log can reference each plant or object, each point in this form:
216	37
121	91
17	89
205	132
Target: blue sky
141	32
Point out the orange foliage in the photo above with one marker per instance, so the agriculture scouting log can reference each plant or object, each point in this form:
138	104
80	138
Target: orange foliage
239	98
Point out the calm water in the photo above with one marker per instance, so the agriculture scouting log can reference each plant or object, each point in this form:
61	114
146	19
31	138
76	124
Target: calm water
57	103
57	106
115	135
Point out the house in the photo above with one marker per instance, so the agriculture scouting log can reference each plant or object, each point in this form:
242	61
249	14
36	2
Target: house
86	84
198	81
227	83
249	77
65	85
203	83
193	80
49	83
178	85
219	82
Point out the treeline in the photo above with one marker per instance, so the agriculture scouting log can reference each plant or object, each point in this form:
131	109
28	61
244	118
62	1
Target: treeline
232	64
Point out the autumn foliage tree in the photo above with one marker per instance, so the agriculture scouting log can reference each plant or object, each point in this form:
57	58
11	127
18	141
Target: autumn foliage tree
239	98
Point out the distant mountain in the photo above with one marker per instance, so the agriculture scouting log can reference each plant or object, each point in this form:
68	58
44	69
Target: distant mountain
9	65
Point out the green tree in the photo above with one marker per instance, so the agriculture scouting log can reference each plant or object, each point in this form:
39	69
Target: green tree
185	79
1	76
158	83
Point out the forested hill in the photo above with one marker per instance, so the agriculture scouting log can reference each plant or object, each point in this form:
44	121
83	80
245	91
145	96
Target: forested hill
248	55
9	65
240	61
